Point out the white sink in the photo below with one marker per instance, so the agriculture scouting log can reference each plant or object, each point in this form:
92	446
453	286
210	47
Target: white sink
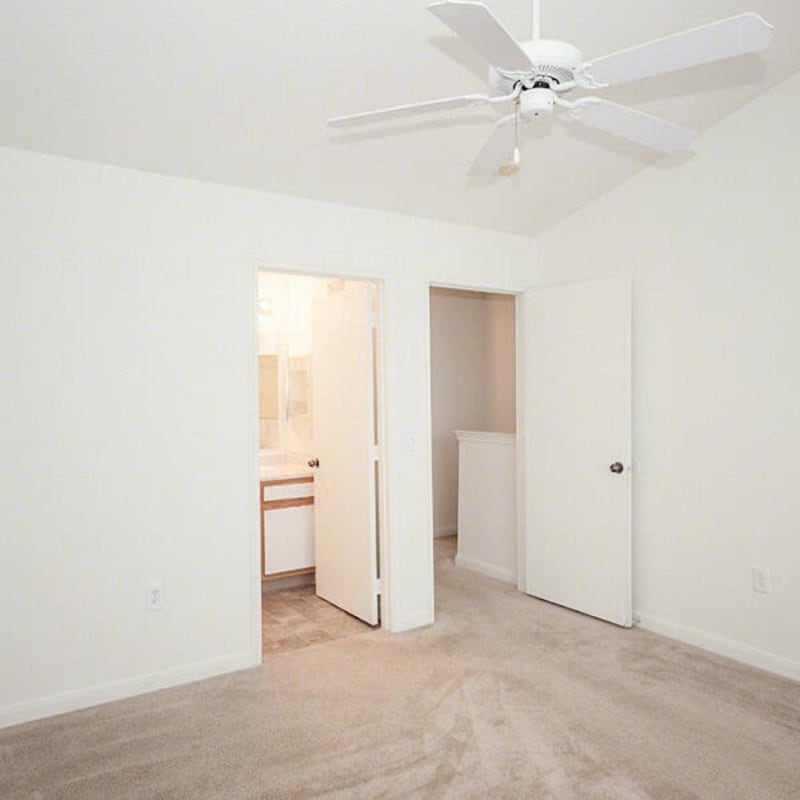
286	470
269	458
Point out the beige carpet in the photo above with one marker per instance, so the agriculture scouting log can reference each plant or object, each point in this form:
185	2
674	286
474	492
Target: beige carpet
505	697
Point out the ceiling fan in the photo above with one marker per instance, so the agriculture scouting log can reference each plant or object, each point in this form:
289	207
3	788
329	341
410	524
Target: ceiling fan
536	75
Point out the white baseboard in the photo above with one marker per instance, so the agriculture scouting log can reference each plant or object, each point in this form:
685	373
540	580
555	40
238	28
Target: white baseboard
723	647
419	620
118	690
490	570
445	530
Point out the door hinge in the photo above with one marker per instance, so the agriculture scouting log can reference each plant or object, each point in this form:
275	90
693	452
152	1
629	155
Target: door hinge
375	453
377	585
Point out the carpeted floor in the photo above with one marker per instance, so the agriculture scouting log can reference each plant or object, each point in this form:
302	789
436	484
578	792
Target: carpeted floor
505	697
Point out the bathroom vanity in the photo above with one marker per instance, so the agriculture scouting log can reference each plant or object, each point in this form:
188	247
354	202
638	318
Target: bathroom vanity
287	520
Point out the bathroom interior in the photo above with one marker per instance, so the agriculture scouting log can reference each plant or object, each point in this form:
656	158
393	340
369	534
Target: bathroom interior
473	420
293	616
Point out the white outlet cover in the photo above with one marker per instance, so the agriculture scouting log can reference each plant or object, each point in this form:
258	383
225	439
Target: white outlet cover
154	599
762	580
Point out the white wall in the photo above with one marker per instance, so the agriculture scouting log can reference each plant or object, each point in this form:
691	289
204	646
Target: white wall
712	243
501	368
487	504
458	375
128	351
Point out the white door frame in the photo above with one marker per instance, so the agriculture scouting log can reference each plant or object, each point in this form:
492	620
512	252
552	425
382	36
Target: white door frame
522	499
381	408
519	363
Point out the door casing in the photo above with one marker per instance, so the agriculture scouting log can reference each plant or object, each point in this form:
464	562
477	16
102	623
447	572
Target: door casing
381	403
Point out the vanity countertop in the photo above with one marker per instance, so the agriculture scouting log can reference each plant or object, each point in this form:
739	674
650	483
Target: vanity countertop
283	472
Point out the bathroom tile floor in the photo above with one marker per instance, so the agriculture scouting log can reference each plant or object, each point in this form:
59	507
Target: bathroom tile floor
295	618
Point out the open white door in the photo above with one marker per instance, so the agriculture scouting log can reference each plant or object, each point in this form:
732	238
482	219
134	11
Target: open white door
577	439
343	408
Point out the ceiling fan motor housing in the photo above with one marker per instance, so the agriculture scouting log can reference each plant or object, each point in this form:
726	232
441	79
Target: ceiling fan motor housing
554	63
535	102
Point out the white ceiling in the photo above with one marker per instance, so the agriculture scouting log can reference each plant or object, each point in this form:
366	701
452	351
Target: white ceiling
238	92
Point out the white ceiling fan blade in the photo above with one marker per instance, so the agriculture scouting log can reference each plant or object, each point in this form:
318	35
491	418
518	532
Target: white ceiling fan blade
630	124
745	33
498	150
477	26
409	110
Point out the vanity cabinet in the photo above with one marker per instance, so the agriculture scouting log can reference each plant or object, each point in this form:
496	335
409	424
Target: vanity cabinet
287	527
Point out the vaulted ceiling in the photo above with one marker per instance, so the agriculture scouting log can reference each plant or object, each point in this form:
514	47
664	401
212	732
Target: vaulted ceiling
238	92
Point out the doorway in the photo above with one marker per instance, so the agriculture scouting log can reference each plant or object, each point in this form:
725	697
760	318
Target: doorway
320	468
573	460
473	428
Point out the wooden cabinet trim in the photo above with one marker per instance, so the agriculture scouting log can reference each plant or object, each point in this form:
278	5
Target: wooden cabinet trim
263	543
290	502
287	481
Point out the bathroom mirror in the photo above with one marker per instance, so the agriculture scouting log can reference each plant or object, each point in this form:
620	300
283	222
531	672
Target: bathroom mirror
298	393
268	405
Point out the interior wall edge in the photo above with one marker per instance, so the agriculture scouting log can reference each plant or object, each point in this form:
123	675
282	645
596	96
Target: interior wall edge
410	622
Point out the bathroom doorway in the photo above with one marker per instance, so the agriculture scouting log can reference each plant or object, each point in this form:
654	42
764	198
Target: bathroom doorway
319	377
473	410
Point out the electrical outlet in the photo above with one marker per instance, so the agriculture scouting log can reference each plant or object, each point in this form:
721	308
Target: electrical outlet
762	581
155	597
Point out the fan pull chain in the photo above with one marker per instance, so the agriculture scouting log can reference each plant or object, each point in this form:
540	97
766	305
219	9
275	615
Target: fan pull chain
512	167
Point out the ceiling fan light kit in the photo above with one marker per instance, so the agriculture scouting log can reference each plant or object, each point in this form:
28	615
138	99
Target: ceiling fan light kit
536	74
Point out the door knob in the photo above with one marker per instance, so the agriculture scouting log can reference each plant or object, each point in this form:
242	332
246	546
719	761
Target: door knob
313	462
616	467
